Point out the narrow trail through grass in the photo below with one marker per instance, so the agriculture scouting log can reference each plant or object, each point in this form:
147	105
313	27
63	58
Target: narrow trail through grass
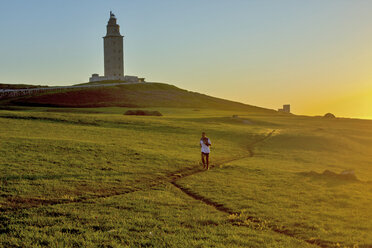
220	207
17	204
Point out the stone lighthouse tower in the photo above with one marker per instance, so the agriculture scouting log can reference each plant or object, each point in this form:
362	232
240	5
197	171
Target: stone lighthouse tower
113	51
114	56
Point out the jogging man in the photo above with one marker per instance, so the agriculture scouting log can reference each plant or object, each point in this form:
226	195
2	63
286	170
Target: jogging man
205	143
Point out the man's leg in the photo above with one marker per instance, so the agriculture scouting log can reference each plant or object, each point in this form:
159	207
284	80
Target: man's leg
207	158
202	157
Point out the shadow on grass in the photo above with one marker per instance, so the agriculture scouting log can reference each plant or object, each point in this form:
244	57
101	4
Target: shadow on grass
49	119
331	176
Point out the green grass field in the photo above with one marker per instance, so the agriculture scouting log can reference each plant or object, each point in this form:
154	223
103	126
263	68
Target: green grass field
93	177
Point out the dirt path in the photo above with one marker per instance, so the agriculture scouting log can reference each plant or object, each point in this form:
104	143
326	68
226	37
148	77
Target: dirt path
14	204
220	207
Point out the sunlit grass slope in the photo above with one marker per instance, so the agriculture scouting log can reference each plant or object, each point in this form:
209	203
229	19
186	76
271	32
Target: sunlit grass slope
97	178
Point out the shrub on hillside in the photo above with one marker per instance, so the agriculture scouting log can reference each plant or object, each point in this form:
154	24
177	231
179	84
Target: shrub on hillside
143	112
329	115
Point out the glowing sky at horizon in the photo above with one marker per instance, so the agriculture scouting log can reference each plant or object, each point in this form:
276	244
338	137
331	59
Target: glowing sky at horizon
315	55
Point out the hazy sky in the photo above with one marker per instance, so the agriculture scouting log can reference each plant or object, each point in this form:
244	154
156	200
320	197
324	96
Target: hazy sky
315	55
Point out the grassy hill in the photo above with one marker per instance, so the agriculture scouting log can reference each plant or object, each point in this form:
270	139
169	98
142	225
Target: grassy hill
134	95
93	177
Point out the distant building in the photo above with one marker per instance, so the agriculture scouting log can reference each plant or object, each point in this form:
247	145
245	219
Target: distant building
113	55
286	108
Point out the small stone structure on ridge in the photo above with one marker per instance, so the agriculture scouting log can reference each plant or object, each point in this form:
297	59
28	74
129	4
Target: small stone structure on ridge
286	108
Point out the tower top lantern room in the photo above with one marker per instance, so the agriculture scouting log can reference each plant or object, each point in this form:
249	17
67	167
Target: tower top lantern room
113	29
113	51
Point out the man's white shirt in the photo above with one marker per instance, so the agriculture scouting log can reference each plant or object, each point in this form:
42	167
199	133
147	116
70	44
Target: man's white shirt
204	147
